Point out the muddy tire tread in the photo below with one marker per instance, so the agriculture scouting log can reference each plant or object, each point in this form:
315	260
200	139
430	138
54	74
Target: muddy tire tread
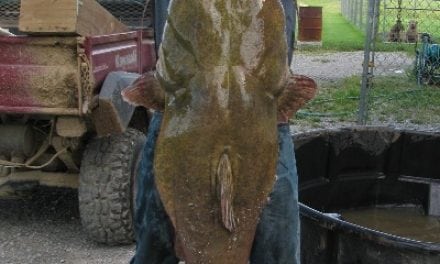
105	187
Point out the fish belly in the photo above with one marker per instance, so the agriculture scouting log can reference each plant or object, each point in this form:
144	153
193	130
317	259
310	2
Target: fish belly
188	171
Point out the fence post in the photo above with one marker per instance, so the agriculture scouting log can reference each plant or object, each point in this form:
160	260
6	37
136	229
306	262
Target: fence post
384	15
359	10
356	8
342	8
367	73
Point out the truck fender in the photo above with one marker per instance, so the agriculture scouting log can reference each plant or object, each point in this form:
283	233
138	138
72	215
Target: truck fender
112	114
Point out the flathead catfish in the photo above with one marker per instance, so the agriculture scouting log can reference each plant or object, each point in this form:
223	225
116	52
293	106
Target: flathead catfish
222	64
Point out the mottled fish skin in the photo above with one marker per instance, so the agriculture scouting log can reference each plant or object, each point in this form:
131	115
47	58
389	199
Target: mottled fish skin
222	64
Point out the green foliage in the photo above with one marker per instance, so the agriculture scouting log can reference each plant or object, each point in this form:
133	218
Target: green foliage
395	99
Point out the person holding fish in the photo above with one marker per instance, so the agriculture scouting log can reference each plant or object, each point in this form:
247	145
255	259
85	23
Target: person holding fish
276	237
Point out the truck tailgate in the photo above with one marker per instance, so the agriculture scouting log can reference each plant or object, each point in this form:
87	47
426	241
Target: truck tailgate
39	75
60	75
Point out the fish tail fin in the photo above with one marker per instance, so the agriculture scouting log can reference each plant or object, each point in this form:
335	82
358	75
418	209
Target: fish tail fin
225	192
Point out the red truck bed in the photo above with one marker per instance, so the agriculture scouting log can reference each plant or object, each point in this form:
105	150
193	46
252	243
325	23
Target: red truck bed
60	75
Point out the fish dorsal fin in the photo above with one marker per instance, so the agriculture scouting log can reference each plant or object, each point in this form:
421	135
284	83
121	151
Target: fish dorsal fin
225	190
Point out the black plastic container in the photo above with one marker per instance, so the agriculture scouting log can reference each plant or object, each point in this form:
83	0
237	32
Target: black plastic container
364	167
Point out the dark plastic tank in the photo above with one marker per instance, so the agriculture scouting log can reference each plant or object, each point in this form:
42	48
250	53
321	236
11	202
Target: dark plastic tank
360	168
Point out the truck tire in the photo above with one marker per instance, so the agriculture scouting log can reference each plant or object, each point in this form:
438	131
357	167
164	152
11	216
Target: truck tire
107	177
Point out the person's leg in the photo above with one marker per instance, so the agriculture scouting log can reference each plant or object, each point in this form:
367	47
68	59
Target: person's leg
154	232
277	239
160	18
290	13
153	229
277	236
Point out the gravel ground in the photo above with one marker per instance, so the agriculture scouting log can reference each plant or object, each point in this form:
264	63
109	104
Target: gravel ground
304	128
44	227
334	66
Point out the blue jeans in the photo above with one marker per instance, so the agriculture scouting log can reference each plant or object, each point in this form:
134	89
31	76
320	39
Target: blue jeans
153	229
277	236
278	232
290	14
160	17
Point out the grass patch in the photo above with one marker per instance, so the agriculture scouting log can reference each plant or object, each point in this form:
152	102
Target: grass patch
338	34
392	99
393	47
398	99
338	101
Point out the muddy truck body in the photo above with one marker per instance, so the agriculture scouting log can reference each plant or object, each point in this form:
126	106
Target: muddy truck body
63	122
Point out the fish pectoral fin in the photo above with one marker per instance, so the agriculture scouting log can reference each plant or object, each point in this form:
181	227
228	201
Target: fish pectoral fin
225	192
145	91
298	91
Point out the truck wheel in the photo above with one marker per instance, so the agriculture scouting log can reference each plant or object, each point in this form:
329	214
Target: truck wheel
107	177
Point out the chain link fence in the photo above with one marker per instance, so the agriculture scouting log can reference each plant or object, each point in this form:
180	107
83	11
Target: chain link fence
130	12
356	11
394	80
9	12
402	20
403	54
406	29
396	20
